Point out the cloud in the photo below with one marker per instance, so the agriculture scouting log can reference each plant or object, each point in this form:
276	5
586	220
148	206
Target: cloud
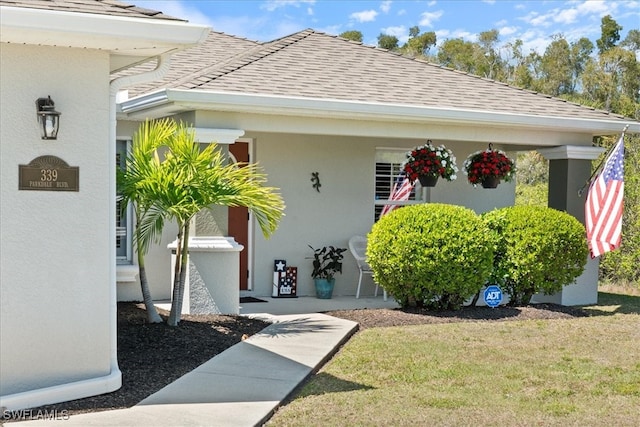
364	16
271	5
177	9
398	31
537	20
428	18
567	16
507	31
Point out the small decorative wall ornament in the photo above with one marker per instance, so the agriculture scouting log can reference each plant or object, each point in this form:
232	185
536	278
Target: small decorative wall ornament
315	179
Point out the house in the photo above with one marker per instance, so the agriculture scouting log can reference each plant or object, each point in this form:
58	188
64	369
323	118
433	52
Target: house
57	262
302	106
313	103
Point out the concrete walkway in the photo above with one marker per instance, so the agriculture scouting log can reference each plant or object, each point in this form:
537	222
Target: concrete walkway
241	386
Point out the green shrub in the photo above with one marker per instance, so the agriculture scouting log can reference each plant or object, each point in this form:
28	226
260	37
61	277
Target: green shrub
431	255
538	249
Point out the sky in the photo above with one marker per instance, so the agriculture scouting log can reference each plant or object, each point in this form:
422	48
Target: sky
532	21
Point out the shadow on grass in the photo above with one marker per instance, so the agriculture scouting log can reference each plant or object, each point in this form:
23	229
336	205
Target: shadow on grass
613	303
323	383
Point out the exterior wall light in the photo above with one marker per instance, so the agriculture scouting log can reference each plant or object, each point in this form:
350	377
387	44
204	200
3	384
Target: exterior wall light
48	118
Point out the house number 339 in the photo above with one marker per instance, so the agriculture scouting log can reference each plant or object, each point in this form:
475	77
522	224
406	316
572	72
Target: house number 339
48	174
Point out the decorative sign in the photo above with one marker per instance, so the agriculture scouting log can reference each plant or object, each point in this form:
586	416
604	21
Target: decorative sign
493	296
48	173
285	280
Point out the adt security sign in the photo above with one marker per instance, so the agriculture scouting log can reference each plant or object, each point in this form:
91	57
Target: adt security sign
493	296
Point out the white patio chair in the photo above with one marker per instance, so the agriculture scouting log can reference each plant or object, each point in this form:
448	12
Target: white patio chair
358	248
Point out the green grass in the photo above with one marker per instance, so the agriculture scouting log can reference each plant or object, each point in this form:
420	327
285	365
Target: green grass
569	372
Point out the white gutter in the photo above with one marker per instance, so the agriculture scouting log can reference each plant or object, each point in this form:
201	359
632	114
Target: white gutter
171	101
123	35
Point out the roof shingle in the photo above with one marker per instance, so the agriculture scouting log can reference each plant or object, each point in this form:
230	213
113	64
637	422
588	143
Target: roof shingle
317	65
101	7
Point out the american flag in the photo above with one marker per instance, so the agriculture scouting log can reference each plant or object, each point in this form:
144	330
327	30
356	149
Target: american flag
401	191
604	204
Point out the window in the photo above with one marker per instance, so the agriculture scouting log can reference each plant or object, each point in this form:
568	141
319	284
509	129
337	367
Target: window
123	219
388	167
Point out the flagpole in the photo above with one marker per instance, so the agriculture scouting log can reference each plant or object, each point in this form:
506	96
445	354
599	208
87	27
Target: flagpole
604	158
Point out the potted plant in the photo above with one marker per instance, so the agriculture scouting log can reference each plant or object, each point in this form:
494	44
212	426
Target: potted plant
427	163
327	261
489	167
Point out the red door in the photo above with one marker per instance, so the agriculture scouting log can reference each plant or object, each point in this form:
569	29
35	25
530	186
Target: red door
239	219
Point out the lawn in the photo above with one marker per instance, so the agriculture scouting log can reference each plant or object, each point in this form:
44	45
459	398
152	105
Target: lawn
583	371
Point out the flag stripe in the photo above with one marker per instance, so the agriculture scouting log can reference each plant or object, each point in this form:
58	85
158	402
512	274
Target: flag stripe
402	188
604	204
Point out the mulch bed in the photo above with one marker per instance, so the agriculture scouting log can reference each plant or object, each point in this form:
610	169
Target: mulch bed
151	356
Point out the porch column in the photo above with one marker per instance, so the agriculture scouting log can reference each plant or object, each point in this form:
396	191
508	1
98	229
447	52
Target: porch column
569	170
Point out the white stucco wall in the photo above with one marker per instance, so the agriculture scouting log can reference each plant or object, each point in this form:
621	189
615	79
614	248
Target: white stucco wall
55	253
344	205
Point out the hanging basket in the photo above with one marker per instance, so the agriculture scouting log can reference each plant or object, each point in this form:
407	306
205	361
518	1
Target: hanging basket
490	182
428	180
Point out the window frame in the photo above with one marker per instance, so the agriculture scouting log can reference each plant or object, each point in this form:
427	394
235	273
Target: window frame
124	224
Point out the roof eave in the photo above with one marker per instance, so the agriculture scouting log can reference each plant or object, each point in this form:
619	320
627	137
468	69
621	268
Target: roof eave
120	35
172	101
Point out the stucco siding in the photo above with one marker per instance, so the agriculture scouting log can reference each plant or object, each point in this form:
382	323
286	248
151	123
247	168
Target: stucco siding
55	246
344	205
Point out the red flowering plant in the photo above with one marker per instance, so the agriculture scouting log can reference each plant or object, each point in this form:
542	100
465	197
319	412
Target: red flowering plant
489	163
430	161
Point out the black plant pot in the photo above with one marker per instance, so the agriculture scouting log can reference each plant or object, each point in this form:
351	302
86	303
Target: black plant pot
490	182
428	180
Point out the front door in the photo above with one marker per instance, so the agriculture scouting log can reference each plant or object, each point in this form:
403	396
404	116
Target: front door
239	219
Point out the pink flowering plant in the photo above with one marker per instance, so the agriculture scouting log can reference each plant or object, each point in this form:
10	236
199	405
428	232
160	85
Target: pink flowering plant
429	160
489	163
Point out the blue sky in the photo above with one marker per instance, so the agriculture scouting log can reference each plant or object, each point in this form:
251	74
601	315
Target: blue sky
532	21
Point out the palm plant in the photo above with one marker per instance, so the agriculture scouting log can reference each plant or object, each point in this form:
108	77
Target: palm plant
188	180
141	162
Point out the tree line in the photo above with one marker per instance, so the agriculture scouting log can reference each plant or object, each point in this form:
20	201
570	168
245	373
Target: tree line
603	75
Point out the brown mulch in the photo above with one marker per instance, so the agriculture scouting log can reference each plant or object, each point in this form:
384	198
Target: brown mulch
151	356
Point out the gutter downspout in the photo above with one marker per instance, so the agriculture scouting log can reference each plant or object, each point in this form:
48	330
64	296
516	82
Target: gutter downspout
164	62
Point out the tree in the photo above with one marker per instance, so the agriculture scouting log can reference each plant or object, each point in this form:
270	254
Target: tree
388	42
632	41
353	35
556	67
490	65
610	34
139	163
418	44
457	54
181	180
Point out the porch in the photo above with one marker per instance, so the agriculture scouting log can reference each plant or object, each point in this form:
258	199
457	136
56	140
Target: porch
311	304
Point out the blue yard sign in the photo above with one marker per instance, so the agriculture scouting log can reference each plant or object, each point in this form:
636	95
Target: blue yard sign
493	296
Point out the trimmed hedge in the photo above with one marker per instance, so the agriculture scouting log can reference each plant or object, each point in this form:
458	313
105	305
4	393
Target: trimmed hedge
538	249
431	255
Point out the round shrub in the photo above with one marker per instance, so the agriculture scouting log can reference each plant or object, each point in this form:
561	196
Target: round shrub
430	255
538	249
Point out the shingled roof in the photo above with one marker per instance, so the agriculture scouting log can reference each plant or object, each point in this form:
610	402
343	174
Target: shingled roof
316	65
101	7
216	48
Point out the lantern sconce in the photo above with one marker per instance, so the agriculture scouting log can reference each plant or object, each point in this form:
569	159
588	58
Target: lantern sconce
48	118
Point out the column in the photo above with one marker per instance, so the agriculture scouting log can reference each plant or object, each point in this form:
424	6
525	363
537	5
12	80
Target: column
569	170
